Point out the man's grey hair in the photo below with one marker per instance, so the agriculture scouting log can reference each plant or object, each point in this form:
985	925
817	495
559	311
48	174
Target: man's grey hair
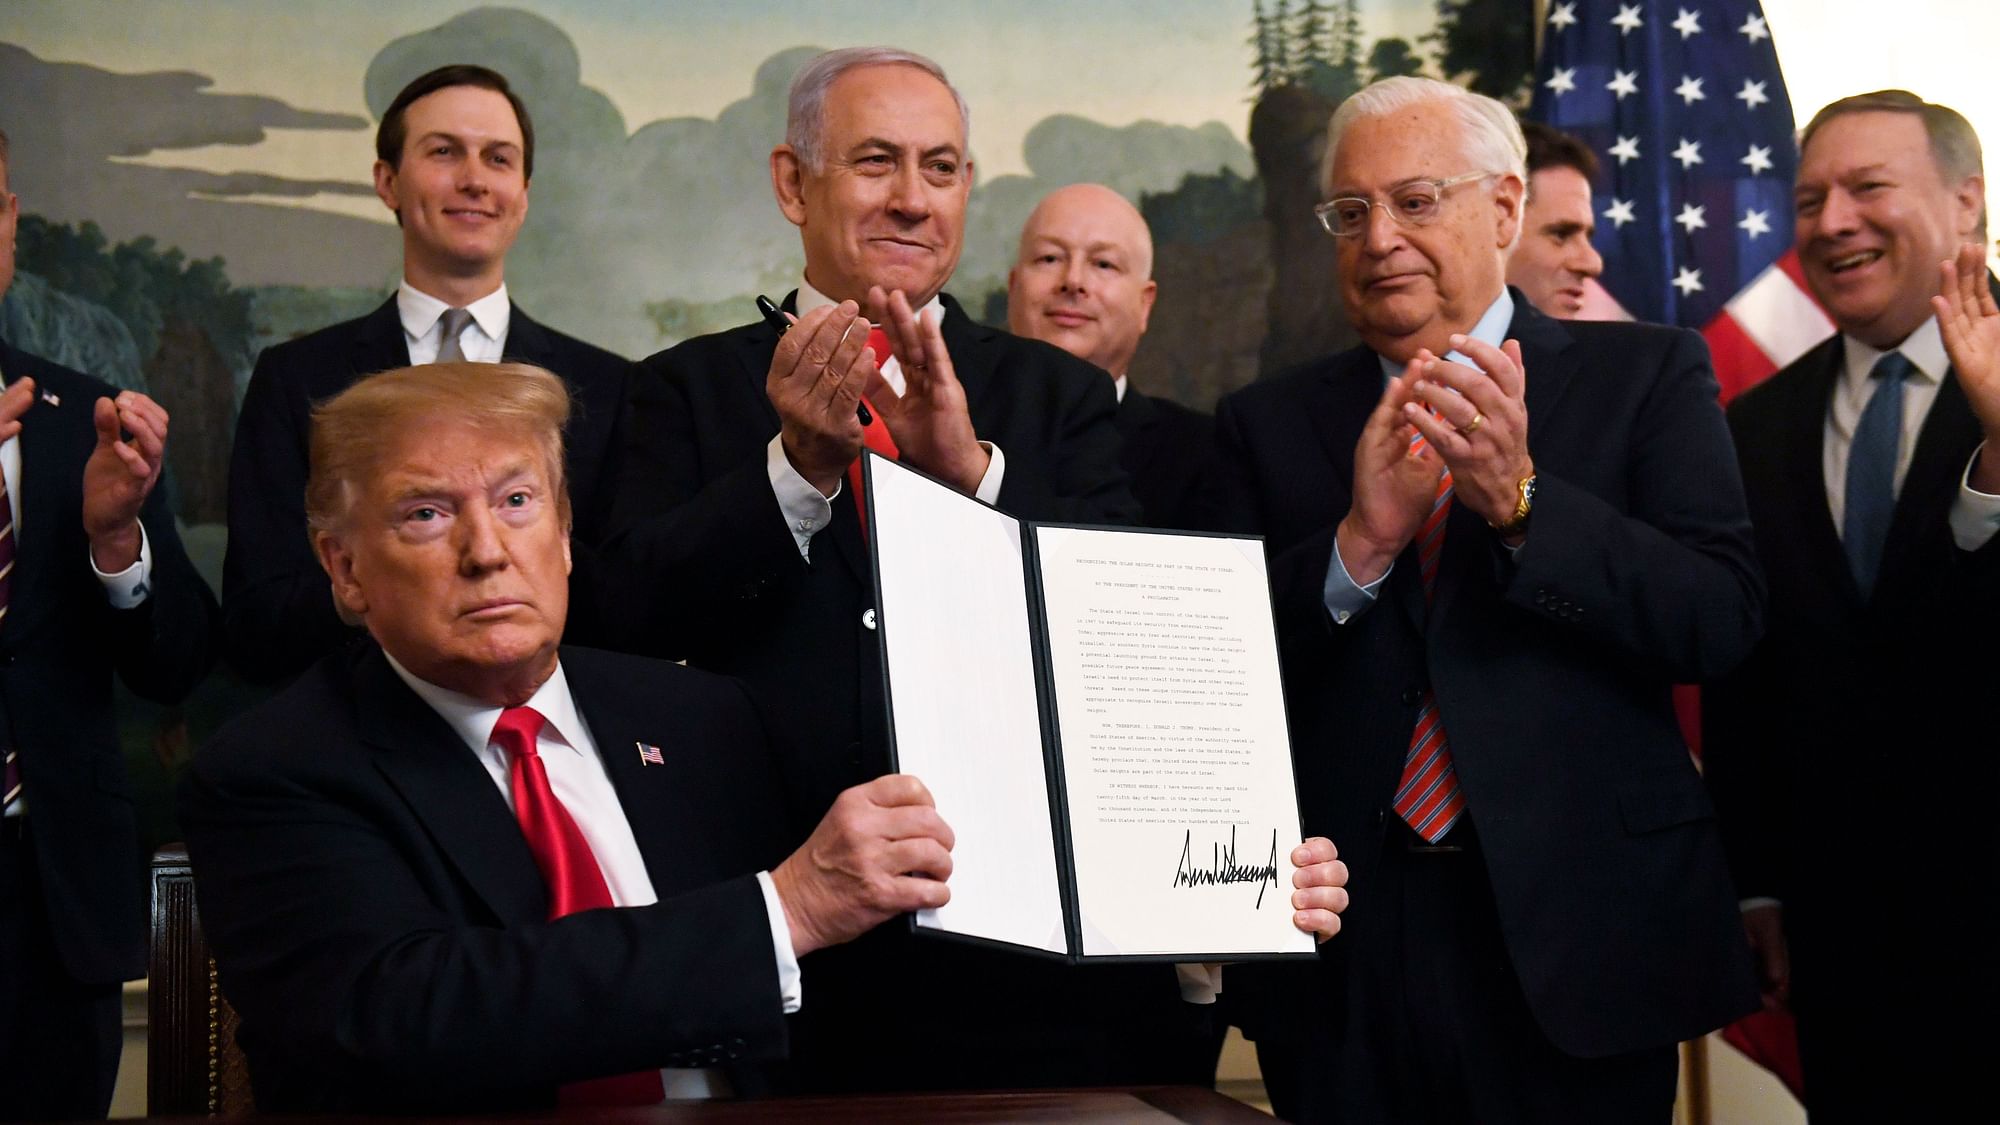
1491	137
805	110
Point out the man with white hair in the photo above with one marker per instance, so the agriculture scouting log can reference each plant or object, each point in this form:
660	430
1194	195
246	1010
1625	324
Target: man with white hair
743	549
1497	540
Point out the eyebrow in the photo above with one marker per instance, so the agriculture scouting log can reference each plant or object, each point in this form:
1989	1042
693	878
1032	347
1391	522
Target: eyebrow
454	138
946	149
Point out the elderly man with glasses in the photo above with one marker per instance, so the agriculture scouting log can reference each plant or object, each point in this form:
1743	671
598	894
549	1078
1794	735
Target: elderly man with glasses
1496	540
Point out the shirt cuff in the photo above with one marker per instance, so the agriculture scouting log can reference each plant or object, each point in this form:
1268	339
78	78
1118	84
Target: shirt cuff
1344	596
989	485
805	510
791	989
1201	982
1757	902
129	588
1975	515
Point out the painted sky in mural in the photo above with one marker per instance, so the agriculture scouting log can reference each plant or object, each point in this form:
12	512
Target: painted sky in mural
243	129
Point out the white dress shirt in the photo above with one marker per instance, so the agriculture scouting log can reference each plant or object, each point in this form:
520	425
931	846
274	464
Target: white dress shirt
126	589
579	780
483	341
1975	515
806	511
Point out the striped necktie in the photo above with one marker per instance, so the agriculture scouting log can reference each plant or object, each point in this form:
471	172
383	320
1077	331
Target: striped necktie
1428	796
13	771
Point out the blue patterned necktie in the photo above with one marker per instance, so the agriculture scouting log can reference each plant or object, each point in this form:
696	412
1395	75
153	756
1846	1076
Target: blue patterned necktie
1871	471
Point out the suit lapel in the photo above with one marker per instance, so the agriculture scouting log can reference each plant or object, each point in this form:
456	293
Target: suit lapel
527	341
448	790
669	843
51	497
379	345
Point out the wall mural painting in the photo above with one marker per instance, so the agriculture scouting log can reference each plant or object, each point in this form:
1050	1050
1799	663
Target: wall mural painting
198	186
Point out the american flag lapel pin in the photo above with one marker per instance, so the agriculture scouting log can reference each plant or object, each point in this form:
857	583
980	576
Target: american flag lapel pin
52	398
650	755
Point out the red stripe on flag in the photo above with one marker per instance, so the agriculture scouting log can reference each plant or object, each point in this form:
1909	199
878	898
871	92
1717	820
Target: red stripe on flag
1789	262
1739	363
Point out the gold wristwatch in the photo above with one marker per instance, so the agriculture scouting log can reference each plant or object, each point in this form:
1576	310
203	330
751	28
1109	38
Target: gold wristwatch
1518	523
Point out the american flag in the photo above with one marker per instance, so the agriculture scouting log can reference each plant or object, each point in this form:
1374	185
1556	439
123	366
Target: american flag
1687	111
650	755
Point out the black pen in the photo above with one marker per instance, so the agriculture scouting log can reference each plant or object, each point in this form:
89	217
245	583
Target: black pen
776	318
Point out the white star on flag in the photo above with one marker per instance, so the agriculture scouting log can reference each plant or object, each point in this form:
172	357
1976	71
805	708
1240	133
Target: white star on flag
1623	82
1755	223
1687	23
1562	15
1753	94
1688	281
1758	159
1690	89
1691	217
1627	20
1627	148
1620	212
1562	81
1754	28
1689	153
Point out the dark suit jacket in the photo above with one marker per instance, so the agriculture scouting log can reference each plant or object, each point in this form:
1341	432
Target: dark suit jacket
277	603
1168	450
1839	751
381	927
712	573
1552	668
59	646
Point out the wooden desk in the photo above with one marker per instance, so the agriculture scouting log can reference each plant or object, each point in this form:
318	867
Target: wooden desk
1140	1105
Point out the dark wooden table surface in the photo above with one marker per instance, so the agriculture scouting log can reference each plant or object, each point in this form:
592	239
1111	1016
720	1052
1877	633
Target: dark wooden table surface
1142	1105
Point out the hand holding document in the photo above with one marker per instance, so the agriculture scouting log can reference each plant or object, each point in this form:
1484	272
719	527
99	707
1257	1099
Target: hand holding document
1099	715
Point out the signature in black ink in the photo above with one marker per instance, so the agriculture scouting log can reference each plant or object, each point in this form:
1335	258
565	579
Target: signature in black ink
1223	868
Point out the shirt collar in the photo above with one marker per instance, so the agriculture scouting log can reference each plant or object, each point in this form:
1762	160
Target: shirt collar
420	311
1119	383
810	299
473	719
1491	329
1924	348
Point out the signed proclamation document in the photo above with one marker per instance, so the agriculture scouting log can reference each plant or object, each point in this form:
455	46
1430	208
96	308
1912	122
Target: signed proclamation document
1099	715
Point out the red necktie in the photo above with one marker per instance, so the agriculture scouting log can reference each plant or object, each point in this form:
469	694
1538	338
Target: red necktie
575	881
874	435
1428	797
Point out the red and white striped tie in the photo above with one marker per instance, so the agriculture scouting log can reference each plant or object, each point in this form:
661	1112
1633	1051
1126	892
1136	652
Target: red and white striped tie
1428	796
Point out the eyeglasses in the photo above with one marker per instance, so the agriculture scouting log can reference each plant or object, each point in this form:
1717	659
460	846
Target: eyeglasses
1414	204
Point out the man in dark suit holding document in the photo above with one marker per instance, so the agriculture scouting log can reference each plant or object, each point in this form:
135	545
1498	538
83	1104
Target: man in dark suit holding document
741	547
461	869
1496	541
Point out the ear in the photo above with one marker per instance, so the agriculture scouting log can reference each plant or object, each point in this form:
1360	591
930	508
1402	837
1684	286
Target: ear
338	562
1508	197
1146	296
385	186
1969	201
788	184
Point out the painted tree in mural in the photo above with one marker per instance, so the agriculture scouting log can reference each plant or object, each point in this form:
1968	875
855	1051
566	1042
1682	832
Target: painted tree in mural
189	332
1487	44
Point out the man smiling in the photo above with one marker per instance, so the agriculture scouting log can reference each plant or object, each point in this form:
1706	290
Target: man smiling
455	152
1875	487
743	549
1083	281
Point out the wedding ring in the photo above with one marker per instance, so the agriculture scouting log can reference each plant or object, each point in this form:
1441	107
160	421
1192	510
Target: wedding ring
1472	427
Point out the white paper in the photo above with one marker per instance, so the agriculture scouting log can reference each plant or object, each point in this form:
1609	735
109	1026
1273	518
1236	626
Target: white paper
1176	759
962	697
